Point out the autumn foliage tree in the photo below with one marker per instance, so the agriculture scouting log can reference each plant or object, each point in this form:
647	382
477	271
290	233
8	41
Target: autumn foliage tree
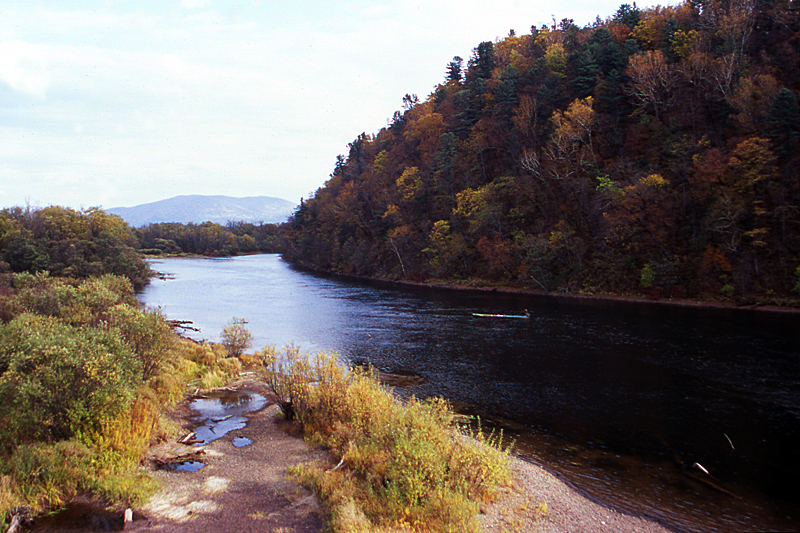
66	242
654	152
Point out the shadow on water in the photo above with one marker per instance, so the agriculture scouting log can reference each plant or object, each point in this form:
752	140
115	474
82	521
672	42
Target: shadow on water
82	516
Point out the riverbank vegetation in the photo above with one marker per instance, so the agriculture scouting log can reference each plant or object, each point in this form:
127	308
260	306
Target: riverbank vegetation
69	243
208	238
85	376
91	242
402	467
652	154
85	373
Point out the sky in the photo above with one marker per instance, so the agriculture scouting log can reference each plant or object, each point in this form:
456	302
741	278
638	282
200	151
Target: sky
118	103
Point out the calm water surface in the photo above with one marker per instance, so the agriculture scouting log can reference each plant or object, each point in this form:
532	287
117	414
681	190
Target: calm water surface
618	399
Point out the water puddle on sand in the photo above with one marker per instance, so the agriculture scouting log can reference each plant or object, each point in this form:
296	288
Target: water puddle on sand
187	466
220	413
241	442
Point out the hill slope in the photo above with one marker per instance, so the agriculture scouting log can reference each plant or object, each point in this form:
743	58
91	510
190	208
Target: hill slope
652	153
197	209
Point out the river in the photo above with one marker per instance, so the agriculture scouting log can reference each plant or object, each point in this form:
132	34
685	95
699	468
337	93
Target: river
619	399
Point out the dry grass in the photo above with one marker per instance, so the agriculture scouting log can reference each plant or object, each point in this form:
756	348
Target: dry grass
404	467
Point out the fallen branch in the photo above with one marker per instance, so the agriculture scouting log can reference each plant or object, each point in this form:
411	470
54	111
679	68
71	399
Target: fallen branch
729	441
182	324
190	439
713	485
20	517
337	467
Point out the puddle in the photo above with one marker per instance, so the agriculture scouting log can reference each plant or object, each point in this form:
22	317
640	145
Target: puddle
213	429
81	515
188	466
241	442
221	413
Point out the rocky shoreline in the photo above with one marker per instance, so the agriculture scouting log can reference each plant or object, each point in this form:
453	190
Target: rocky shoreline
521	290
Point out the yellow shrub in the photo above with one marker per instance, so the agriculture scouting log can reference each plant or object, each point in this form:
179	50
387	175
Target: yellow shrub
231	366
403	467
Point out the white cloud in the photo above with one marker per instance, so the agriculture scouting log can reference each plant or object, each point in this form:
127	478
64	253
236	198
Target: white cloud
23	67
194	4
132	103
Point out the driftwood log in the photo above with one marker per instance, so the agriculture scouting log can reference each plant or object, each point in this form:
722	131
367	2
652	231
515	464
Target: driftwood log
190	439
167	461
183	324
20	517
712	485
715	484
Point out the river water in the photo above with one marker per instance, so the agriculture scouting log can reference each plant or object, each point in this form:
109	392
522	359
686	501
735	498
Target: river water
619	399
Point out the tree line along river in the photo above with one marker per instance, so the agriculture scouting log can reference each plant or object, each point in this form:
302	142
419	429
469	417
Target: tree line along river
631	403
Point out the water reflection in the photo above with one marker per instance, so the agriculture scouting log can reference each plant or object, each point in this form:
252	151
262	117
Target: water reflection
186	466
621	399
220	413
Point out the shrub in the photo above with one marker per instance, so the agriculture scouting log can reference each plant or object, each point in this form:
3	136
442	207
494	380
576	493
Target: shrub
48	475
77	412
146	333
236	338
402	466
59	380
213	379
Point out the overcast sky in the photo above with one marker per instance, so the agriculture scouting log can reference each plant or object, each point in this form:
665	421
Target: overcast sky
116	103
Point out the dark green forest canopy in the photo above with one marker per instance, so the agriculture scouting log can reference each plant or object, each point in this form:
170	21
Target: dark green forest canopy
209	238
654	153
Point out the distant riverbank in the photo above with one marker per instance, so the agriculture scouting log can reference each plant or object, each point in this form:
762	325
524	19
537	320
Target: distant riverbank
483	286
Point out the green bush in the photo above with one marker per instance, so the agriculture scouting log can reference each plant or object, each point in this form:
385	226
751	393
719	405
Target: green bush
147	334
58	380
84	378
69	243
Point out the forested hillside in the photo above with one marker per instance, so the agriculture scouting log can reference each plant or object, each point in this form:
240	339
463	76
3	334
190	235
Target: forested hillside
197	209
654	153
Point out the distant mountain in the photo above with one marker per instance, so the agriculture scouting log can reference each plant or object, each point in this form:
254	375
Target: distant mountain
197	209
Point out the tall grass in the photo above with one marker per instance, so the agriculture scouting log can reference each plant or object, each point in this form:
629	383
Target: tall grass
403	467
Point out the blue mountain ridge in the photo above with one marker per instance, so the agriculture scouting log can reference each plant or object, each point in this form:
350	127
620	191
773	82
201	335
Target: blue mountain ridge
197	209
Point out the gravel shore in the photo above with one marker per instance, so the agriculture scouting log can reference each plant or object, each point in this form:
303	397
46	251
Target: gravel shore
542	503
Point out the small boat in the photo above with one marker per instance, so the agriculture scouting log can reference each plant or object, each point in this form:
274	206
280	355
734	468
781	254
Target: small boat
527	315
